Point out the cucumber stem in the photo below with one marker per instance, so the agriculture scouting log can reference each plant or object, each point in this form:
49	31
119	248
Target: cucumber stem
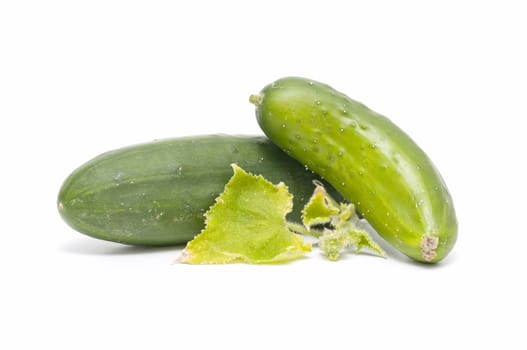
256	99
298	228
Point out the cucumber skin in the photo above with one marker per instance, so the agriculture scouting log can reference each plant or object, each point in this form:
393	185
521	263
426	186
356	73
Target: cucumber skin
155	194
366	158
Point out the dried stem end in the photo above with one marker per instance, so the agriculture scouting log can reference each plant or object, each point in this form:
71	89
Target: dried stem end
429	245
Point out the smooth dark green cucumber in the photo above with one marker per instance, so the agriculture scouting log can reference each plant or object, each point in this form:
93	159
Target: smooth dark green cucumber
155	194
367	158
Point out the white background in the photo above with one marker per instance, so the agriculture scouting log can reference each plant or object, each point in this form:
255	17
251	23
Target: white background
78	78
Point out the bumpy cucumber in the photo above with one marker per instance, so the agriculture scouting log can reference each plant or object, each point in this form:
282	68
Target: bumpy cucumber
367	158
156	193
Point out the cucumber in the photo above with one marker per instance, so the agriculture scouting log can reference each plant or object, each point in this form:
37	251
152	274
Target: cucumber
367	158
155	194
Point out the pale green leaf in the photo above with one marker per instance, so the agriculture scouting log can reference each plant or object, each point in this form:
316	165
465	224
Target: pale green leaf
320	209
361	239
247	224
341	225
332	242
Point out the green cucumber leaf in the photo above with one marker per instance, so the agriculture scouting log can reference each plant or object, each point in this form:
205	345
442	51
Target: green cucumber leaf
247	224
360	239
332	242
320	208
342	228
